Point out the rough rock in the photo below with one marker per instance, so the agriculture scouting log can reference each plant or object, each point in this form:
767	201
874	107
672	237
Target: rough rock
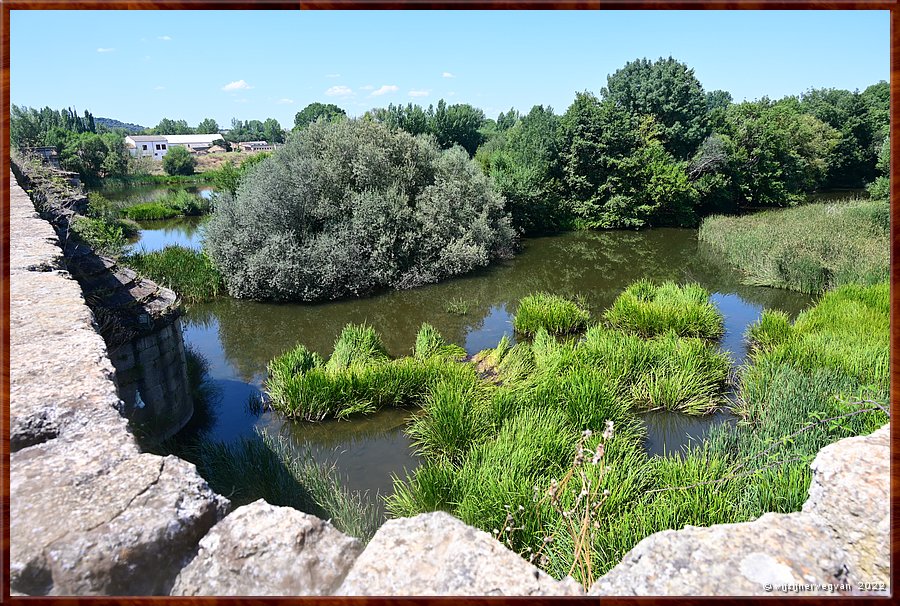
60	375
437	554
838	540
118	525
729	559
850	490
261	549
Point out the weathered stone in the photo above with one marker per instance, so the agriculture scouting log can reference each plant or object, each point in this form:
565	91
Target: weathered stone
142	547
729	559
86	517
261	549
851	491
437	554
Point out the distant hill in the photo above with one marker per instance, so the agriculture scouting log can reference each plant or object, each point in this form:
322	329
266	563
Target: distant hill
110	123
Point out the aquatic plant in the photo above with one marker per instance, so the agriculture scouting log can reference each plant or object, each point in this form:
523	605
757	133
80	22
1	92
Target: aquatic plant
551	312
648	309
190	273
429	343
357	345
810	248
105	238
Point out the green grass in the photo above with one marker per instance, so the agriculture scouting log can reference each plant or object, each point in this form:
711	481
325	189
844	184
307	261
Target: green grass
494	447
458	307
648	310
359	377
106	238
847	330
358	344
810	248
553	313
188	272
174	204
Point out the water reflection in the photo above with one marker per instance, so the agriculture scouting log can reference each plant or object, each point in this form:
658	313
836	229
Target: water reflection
181	231
240	337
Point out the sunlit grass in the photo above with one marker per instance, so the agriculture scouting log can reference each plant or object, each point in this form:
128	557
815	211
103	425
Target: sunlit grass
648	309
553	313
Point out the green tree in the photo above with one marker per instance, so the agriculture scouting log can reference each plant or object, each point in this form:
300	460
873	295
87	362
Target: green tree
778	153
457	125
667	90
227	179
179	161
315	111
85	153
272	131
207	127
523	164
171	127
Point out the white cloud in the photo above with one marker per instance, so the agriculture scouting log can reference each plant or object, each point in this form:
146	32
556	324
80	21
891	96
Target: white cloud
387	88
339	91
332	75
236	85
451	93
105	50
240	100
284	101
367	87
448	75
418	93
159	88
166	38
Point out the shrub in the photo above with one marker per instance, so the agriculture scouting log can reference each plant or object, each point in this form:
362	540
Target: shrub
344	209
649	310
554	314
188	272
179	161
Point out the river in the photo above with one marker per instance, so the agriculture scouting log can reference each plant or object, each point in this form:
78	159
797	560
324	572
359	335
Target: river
238	338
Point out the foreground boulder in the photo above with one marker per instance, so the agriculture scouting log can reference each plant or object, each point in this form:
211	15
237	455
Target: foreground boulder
437	554
261	549
838	544
83	524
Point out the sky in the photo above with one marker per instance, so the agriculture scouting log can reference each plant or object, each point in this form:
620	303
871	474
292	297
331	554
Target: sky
142	66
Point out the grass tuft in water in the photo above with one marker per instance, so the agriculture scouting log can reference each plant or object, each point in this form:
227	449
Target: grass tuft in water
649	310
430	343
357	345
188	272
550	312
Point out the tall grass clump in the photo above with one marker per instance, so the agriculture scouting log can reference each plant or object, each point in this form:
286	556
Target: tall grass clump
173	204
553	313
847	330
809	248
359	377
649	309
430	343
105	238
190	273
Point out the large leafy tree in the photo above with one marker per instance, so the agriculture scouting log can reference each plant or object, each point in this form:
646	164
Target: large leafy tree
411	118
168	126
207	127
179	161
314	111
777	153
523	164
457	125
668	91
851	162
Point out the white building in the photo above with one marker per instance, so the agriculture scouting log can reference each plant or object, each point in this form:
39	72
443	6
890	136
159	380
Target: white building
156	146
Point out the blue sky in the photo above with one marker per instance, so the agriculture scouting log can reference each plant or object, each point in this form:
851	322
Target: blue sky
142	66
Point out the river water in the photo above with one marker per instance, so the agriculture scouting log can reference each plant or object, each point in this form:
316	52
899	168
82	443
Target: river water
238	338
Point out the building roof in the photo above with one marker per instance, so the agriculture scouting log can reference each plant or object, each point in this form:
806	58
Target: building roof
253	143
187	139
146	137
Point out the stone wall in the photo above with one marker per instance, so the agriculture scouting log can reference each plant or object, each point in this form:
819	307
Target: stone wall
90	514
139	320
